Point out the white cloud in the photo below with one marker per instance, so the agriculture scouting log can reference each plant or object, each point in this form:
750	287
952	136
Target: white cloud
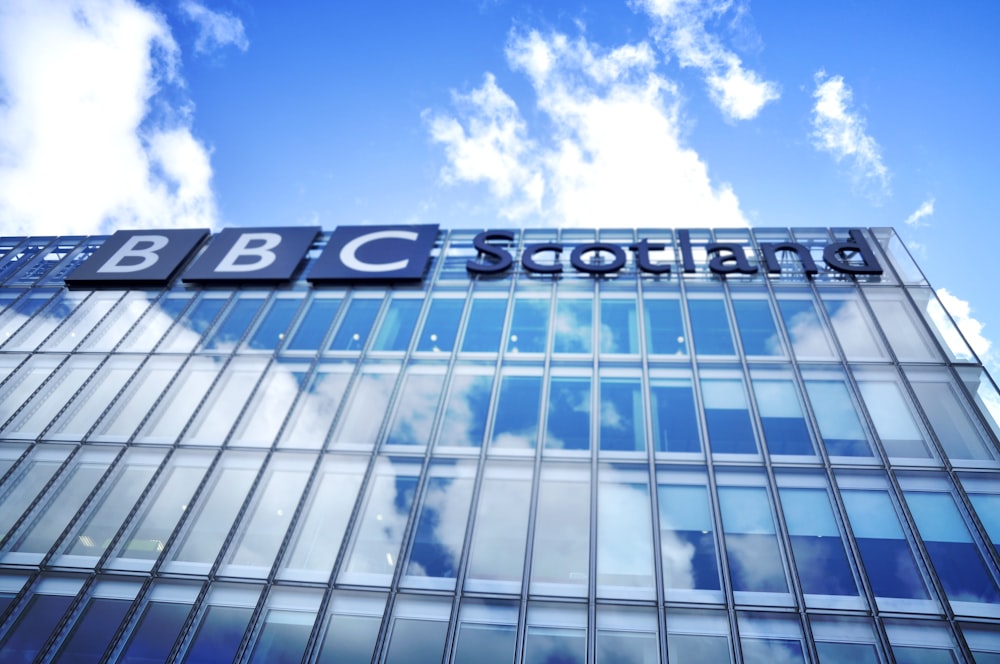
926	209
841	131
681	29
613	155
88	137
215	29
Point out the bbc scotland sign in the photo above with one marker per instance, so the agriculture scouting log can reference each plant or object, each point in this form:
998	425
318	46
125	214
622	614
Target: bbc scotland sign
387	254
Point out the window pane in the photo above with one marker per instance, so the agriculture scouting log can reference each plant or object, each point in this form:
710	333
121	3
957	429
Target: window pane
283	638
854	330
174	410
310	421
805	330
755	323
88	405
710	327
785	430
397	325
350	639
518	409
889	562
687	538
624	537
664	328
224	403
154	636
315	323
416	405
893	419
544	645
568	423
136	402
837	418
356	324
271	331
574	322
485	644
464	421
957	560
906	332
675	416
262	418
25	639
235	324
751	543
960	435
440	525
496	559
414	640
28	480
729	428
619	327
529	326
562	531
484	327
367	405
441	325
820	556
94	630
621	415
219	635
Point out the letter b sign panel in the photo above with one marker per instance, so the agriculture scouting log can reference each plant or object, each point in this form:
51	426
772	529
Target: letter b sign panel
375	253
146	258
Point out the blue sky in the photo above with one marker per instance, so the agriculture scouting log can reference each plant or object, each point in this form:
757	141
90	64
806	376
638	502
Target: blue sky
117	113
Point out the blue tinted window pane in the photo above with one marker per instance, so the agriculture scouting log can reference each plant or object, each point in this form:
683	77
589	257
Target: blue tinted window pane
271	331
569	414
958	562
173	306
315	324
203	313
350	639
758	334
805	330
529	326
627	648
156	633
397	326
710	327
484	328
619	327
889	563
219	635
785	430
485	644
235	324
621	415
415	407
687	538
464	422
911	655
665	328
987	507
730	430
820	556
441	325
93	631
416	641
751	543
518	409
281	643
33	627
768	651
356	325
547	645
574	321
675	417
437	544
700	649
837	419
847	653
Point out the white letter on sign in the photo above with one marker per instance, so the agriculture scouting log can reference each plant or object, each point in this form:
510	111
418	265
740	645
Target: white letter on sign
348	255
262	254
131	250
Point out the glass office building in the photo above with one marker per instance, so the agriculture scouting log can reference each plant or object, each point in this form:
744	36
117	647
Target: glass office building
616	465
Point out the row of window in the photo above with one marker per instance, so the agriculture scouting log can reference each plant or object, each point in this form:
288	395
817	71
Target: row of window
182	321
259	402
401	521
113	618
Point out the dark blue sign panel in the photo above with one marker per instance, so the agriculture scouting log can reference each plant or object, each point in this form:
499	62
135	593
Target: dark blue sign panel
137	258
375	253
252	255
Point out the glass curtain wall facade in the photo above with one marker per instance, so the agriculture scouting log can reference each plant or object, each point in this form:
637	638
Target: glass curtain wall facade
511	468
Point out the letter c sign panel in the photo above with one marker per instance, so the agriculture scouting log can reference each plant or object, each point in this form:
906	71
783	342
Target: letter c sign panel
375	253
143	258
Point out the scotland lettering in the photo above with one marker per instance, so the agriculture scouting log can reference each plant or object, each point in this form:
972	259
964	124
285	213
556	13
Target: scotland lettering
385	254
